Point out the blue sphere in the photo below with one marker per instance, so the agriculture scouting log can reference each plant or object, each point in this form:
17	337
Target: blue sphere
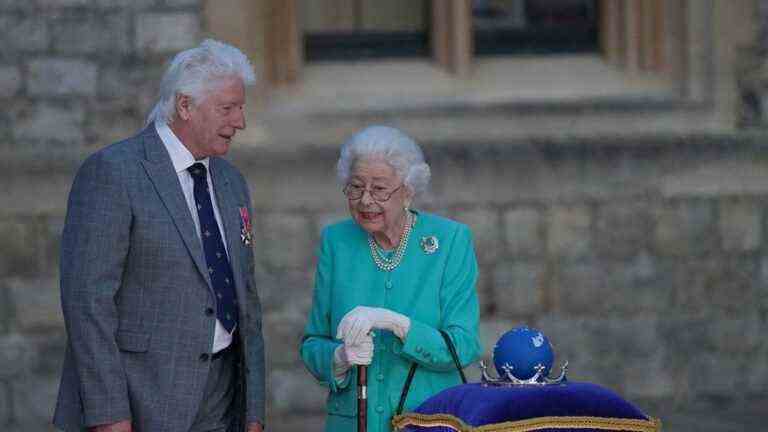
523	349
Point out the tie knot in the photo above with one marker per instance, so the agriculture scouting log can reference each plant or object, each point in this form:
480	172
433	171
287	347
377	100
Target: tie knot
197	170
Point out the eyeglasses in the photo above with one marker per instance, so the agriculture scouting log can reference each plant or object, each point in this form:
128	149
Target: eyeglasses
378	193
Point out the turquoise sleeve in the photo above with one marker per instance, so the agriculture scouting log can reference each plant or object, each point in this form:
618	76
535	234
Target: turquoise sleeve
459	311
319	343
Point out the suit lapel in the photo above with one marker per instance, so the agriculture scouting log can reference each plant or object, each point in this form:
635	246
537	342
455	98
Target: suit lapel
160	170
231	219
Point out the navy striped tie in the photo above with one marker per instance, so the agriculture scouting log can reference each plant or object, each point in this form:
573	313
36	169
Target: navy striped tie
215	255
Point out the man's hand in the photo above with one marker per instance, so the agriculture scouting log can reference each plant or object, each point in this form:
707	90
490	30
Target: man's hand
121	426
254	427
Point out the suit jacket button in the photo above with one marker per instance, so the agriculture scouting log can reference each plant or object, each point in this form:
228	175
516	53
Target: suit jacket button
209	311
204	357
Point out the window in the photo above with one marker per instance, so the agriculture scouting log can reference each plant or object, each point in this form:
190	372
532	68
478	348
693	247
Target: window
509	27
363	29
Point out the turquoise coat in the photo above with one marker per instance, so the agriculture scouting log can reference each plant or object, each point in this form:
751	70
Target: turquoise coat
435	290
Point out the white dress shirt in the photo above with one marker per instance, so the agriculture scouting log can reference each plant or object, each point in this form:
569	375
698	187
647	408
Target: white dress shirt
182	159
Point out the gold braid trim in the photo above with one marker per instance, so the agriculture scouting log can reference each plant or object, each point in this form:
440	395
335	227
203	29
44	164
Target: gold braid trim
603	423
430	420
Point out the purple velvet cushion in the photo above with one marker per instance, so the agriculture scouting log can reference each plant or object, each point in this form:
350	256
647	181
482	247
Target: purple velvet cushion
569	406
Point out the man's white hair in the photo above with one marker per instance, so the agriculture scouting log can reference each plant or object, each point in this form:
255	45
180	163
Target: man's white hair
197	71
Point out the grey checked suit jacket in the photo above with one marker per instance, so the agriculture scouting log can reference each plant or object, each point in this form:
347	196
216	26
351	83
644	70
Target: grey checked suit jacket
136	294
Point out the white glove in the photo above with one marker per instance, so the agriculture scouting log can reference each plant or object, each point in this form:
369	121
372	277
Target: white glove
359	322
347	355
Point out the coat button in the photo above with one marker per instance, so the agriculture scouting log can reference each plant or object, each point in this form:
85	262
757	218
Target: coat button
204	357
208	311
418	349
388	285
379	409
380	377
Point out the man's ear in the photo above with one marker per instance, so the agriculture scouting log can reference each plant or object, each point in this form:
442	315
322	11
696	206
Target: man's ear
183	106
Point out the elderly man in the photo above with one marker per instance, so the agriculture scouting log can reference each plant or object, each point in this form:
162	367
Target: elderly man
157	287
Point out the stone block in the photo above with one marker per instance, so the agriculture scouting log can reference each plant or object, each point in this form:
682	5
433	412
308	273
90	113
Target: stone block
36	304
108	123
737	334
294	391
166	32
30	193
308	181
579	288
121	84
568	231
50	232
712	285
757	374
486	231
290	422
283	337
21	33
92	33
287	240
182	3
686	228
451	173
62	77
523	229
45	121
598	349
48	4
519	289
125	4
716	374
277	286
34	399
20	245
15	356
10	81
490	332
740	225
762	285
5	404
638	279
328	218
485	292
621	228
648	377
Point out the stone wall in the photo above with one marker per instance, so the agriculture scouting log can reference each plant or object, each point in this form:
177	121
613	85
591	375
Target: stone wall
646	262
81	73
643	258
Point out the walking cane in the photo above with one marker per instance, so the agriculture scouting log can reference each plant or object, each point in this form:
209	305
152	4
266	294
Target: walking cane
362	398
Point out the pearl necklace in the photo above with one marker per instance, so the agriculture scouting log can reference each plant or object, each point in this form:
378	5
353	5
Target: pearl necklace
389	264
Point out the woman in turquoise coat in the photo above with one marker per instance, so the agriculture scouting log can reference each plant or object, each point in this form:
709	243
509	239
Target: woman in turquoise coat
388	281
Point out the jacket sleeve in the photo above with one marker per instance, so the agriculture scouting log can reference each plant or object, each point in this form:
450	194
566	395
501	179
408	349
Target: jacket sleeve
318	343
255	366
459	312
94	247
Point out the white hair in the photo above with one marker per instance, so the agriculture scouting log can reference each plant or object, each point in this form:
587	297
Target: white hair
197	71
391	146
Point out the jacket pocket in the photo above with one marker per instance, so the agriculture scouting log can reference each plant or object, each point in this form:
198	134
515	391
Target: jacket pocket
343	403
132	341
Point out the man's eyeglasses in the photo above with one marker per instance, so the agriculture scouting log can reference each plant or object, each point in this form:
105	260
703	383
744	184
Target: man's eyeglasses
379	194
